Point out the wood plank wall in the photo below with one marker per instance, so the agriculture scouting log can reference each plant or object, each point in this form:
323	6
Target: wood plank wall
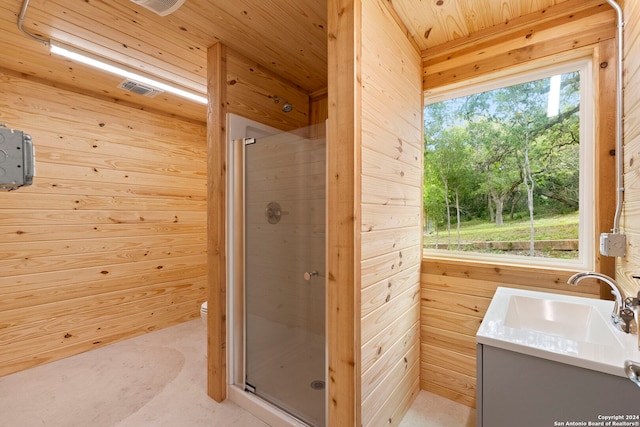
456	294
240	86
391	224
110	240
630	265
455	298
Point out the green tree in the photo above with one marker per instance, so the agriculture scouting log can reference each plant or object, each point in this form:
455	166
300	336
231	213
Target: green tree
489	149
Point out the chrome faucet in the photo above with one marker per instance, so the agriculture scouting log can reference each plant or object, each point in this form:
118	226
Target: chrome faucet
621	315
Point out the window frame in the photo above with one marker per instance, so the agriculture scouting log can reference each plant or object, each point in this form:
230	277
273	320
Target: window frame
587	157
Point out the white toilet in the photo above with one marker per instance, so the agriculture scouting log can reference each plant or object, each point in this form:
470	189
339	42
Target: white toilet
203	312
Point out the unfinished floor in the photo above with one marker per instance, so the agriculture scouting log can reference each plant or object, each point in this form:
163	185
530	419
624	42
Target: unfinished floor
158	379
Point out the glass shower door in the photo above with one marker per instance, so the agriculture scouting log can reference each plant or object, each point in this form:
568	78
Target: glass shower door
284	179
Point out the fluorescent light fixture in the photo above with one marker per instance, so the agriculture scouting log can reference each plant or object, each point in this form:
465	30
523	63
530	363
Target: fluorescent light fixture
553	107
88	59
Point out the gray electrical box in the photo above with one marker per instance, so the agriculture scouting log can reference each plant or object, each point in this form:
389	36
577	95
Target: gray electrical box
17	160
613	244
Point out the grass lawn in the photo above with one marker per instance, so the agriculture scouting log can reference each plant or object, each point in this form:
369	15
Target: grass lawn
559	227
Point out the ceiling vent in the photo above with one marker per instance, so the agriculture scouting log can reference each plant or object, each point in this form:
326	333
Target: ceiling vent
139	89
161	7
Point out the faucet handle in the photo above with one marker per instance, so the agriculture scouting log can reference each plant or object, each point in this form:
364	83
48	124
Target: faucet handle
628	317
632	301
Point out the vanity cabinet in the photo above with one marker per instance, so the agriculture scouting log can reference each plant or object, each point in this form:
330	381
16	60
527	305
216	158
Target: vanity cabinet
516	389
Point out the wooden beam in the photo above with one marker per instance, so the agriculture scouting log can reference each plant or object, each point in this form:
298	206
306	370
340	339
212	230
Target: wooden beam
567	32
494	35
605	71
216	222
343	199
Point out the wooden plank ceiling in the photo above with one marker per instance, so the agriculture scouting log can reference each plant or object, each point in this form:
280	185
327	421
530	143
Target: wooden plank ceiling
287	37
436	22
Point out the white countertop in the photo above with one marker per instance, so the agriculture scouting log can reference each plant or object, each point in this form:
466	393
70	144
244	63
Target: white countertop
567	329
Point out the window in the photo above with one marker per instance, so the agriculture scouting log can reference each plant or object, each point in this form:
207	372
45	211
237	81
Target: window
509	168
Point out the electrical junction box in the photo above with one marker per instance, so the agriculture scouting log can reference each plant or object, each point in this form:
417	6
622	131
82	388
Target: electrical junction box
17	160
613	244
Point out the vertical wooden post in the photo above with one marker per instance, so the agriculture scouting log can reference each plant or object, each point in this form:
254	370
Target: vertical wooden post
605	70
216	221
343	199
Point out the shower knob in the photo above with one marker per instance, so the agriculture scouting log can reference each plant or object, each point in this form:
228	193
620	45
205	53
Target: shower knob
273	213
308	275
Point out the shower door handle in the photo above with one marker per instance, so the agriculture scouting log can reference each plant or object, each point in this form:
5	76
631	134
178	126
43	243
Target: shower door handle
309	274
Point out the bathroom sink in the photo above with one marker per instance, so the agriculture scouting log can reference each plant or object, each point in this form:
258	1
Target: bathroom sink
579	322
564	328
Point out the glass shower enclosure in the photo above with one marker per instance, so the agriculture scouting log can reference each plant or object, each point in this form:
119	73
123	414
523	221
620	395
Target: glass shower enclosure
283	228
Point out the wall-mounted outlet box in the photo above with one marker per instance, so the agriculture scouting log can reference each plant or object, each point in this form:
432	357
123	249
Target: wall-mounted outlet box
17	161
613	244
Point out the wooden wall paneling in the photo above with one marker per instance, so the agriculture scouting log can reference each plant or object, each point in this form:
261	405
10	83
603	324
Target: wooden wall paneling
109	241
444	357
374	377
630	58
449	384
319	108
375	296
399	384
216	224
391	216
486	286
343	204
629	265
257	94
439	317
129	326
399	402
381	269
21	255
18	319
455	297
73	333
378	191
404	326
376	321
631	123
452	276
53	286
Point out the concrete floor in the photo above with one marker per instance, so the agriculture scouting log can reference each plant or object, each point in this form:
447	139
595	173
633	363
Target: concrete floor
158	379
